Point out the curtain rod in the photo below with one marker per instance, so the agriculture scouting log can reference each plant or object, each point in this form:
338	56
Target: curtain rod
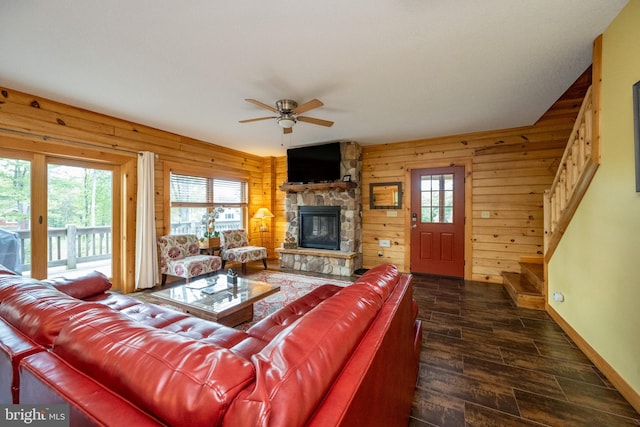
72	141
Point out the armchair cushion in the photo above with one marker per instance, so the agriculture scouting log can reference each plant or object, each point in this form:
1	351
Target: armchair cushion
180	256
236	248
235	239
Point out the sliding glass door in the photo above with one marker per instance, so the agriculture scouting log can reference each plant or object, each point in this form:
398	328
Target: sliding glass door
79	219
56	215
15	214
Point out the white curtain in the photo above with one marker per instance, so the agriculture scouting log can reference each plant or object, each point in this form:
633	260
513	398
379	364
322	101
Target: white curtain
146	252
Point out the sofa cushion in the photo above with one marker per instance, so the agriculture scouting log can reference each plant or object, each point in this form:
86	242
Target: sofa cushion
39	311
206	331
9	284
114	301
82	287
180	380
153	315
297	368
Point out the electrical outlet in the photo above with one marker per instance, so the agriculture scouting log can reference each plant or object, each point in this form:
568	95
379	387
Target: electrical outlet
392	213
486	214
385	243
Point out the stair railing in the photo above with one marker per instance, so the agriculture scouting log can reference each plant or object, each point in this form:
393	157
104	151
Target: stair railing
579	163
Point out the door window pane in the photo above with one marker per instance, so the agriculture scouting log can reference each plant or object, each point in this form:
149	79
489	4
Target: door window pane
15	215
437	198
80	211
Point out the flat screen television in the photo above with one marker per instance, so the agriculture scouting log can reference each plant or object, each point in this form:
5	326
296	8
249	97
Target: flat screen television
315	163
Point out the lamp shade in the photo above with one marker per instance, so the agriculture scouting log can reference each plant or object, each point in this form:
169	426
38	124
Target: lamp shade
263	213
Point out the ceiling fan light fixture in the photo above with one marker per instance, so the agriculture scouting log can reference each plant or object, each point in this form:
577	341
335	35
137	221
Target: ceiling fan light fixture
289	113
286	122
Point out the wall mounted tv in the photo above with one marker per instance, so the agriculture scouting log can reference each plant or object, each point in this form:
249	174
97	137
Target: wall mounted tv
314	163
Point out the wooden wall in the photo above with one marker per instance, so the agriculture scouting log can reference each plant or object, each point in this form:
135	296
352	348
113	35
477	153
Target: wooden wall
36	125
508	170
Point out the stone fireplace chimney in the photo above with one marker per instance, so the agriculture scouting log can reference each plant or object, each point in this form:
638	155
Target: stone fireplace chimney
345	195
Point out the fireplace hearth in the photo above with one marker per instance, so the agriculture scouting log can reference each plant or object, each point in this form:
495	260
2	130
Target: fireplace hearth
319	227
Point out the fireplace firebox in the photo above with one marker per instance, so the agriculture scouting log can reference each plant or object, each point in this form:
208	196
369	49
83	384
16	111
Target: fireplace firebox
319	227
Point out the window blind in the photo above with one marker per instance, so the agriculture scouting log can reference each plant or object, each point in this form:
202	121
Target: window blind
202	191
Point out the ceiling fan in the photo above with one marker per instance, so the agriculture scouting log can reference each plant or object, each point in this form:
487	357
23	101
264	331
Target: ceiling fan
289	113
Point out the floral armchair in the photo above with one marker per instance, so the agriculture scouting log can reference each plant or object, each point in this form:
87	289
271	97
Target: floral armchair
180	256
236	248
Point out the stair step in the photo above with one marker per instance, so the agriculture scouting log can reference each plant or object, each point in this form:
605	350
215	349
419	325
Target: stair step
534	273
523	292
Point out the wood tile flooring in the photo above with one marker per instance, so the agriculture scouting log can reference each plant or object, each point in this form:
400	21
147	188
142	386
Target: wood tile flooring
485	362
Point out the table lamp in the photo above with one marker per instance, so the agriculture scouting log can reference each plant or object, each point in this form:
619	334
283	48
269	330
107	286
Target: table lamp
261	214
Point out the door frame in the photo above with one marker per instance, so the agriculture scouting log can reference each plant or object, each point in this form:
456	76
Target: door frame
467	163
39	154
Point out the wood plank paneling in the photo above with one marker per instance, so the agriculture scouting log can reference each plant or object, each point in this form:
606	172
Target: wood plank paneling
511	168
47	127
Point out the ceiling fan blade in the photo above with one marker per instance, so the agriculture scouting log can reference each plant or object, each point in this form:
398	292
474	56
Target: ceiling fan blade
310	105
255	120
262	105
287	130
311	120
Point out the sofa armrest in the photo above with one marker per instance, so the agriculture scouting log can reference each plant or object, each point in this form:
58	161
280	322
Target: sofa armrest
14	346
270	326
376	386
48	379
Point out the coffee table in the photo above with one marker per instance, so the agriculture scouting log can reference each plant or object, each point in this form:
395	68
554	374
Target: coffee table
214	299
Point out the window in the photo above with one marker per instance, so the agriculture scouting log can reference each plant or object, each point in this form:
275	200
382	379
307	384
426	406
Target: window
436	192
15	214
193	197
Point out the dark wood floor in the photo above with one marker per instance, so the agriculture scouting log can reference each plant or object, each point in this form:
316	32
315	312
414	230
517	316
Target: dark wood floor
485	362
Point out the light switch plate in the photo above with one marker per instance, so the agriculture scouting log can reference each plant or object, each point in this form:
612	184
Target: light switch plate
385	243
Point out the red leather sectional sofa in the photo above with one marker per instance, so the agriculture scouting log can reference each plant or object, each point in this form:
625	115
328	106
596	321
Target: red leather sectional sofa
337	356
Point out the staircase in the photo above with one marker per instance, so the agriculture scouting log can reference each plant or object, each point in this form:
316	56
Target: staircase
577	167
527	287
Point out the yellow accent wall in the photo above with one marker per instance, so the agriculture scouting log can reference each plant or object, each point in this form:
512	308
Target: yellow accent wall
597	263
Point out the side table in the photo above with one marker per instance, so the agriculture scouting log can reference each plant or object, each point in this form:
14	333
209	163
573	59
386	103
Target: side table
210	250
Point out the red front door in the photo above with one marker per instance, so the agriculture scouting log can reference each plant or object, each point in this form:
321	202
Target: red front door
437	221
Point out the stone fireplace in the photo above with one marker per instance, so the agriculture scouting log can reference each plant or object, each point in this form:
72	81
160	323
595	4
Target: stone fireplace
328	202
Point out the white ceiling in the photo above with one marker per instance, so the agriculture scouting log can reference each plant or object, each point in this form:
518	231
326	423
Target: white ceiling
386	70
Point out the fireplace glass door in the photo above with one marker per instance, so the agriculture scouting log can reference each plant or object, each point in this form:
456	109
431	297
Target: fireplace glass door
319	227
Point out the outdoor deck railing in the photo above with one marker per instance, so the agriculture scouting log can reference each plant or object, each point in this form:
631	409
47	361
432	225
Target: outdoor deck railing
198	229
70	245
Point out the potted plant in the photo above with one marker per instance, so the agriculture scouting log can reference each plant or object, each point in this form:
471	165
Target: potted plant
211	237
